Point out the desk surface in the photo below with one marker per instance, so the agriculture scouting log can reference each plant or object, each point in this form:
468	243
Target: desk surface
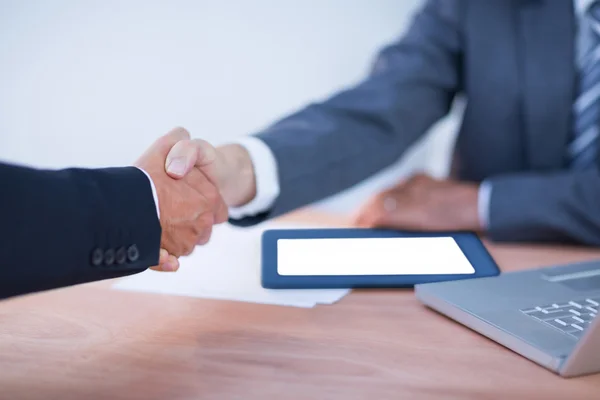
90	342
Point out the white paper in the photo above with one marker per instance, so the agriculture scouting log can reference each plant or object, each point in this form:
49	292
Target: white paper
228	268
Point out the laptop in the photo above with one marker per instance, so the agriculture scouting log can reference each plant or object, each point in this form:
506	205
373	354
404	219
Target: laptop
547	315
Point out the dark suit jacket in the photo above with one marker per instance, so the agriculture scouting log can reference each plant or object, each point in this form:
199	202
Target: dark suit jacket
514	62
62	228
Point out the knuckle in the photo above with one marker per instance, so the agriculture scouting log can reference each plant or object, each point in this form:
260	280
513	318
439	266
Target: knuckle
222	213
205	146
212	195
201	144
370	220
425	179
411	185
203	228
183	145
204	237
187	249
177	252
377	216
417	178
209	153
379	200
180	130
203	222
195	178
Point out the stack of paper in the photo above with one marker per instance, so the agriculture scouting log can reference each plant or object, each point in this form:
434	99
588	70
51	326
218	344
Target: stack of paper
228	267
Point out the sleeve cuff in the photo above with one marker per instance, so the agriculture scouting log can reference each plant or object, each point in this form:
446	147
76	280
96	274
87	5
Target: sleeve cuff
266	175
483	204
153	192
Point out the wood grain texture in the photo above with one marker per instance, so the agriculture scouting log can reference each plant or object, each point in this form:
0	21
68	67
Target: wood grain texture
90	342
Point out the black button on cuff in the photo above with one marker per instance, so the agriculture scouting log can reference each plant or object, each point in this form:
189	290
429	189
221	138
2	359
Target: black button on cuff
109	257
133	254
97	257
121	256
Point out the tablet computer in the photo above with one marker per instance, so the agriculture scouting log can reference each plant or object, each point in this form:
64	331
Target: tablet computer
370	258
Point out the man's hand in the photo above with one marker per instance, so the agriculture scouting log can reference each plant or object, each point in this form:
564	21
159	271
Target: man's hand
423	203
229	167
189	206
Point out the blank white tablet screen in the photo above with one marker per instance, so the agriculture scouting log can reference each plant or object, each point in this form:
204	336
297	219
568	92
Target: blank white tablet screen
371	256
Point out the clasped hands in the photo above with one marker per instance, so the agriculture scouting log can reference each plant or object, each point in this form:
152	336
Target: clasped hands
194	184
185	174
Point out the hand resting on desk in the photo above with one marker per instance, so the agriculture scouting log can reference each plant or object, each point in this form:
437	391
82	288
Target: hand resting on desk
423	203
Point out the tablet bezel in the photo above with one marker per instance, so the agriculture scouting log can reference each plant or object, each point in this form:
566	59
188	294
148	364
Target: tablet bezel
470	244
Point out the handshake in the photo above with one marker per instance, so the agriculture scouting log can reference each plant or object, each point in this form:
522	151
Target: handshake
194	185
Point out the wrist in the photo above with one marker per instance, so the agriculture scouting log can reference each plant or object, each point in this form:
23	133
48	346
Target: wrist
237	182
484	194
470	209
477	223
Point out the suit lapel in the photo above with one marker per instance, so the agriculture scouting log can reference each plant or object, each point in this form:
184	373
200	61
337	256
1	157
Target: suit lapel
547	43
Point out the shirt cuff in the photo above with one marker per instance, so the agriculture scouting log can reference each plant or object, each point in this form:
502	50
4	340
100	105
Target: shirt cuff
266	177
483	204
153	192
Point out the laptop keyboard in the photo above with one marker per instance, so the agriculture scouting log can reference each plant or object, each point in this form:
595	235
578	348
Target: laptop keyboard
571	317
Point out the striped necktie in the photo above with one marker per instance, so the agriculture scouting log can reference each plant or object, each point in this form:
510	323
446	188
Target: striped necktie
582	149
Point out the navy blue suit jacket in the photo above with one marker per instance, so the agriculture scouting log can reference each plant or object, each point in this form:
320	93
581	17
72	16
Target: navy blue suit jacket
61	228
513	60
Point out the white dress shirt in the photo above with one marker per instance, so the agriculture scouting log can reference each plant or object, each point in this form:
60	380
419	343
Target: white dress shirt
153	192
265	165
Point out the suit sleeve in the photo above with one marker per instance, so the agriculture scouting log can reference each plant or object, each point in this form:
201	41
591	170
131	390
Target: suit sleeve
328	147
551	207
61	228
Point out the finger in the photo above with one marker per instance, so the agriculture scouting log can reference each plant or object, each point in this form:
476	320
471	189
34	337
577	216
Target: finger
181	159
222	213
365	217
163	255
206	156
384	209
170	264
203	228
417	184
213	201
167	141
187	154
368	219
201	184
388	204
357	217
399	187
360	221
420	176
204	236
158	268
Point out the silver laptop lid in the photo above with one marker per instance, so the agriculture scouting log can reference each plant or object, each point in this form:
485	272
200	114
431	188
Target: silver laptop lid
585	357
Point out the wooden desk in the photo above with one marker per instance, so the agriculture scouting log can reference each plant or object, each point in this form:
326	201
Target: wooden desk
90	342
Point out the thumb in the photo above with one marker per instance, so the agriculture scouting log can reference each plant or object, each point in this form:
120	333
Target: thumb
165	143
187	154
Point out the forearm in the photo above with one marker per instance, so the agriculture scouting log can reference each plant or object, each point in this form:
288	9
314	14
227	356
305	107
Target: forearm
73	226
332	145
538	207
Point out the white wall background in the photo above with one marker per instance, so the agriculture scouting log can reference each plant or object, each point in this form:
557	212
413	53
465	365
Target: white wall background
92	83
